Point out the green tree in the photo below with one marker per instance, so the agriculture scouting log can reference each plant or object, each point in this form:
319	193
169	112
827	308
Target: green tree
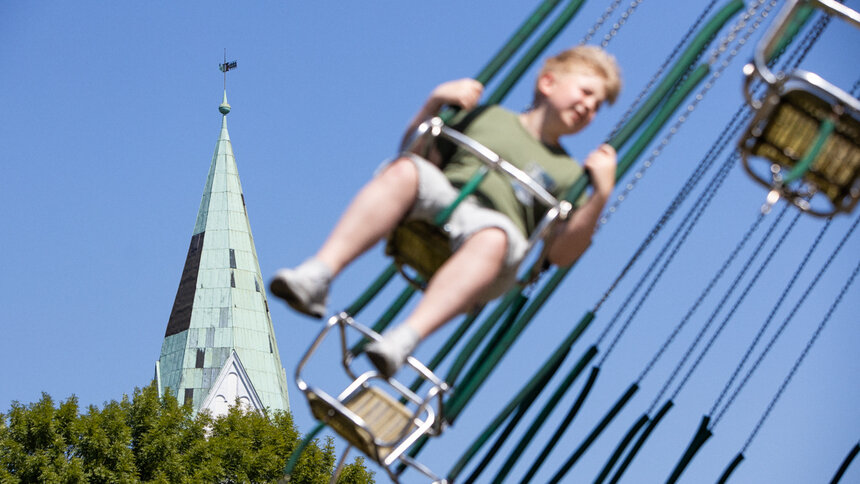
37	443
150	439
103	442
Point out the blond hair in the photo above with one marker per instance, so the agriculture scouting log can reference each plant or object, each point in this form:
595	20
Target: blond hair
590	58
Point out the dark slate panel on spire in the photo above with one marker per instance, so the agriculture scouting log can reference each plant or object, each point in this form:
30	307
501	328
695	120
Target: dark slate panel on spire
180	316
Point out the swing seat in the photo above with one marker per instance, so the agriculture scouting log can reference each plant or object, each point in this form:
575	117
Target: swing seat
420	245
380	417
424	246
791	127
368	418
805	129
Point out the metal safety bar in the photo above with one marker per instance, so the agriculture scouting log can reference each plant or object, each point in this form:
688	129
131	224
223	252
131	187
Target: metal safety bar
435	128
557	209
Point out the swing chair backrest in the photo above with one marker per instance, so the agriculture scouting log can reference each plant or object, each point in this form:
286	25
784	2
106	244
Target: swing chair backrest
421	246
424	246
805	129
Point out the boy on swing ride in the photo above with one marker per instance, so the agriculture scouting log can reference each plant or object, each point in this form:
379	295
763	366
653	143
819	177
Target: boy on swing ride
488	231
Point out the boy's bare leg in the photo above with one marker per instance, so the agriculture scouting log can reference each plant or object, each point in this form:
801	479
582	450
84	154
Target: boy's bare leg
457	285
374	212
454	289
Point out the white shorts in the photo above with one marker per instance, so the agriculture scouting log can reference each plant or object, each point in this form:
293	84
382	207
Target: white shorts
435	193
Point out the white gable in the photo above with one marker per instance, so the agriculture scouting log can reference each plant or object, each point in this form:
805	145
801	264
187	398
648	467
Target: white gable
232	383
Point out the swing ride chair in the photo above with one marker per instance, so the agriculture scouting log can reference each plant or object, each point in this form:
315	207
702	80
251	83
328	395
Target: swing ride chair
805	135
365	413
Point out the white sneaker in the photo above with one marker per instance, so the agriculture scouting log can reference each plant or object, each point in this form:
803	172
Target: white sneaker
389	354
304	288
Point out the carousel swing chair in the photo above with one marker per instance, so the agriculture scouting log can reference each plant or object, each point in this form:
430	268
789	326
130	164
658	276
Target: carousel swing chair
805	136
365	413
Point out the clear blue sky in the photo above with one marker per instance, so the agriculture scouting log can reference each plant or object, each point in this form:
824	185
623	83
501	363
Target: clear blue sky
111	117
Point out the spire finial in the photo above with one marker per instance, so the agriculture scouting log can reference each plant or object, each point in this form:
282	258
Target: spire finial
224	108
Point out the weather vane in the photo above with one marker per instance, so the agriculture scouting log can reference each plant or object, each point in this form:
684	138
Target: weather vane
226	66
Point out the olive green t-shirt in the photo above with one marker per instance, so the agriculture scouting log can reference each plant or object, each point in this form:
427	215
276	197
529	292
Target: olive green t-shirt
501	131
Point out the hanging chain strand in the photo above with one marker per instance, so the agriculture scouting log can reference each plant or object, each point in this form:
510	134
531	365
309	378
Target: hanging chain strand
713	413
786	321
796	57
814	337
600	21
706	291
617	25
693	216
740	299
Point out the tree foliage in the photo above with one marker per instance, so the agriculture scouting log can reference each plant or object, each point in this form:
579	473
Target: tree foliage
155	440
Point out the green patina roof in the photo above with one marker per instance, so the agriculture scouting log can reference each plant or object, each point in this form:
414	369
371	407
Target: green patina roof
221	302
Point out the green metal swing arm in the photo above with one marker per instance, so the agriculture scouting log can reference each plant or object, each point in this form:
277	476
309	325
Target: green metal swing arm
516	41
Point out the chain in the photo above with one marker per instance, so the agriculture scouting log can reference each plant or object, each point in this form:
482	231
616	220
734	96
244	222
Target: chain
686	226
797	272
795	58
603	18
716	278
617	25
730	131
811	342
785	322
730	37
728	317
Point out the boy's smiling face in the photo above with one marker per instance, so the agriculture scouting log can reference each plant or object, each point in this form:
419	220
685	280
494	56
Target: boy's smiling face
572	99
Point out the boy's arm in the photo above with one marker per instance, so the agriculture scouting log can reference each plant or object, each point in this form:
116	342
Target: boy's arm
464	93
572	238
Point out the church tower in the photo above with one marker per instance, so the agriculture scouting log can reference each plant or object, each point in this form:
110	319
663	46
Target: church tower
220	344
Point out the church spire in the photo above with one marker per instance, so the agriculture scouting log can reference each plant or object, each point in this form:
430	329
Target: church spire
220	344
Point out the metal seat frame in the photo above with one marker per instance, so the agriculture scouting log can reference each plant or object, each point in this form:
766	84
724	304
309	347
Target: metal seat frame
357	426
780	86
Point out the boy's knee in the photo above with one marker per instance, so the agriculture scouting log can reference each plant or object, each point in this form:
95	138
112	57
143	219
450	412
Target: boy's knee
492	241
402	171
